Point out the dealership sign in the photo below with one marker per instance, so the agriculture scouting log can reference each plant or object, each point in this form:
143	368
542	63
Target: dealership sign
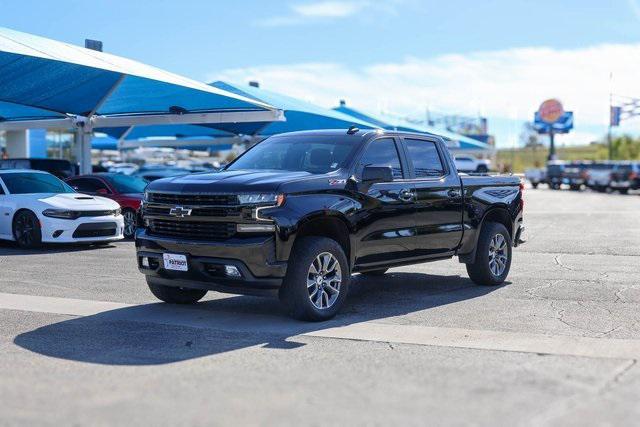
550	111
551	117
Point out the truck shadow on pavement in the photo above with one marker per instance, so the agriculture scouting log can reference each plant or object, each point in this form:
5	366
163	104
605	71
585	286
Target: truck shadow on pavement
153	334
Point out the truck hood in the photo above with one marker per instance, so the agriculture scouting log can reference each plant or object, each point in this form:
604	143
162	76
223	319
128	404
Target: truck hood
243	181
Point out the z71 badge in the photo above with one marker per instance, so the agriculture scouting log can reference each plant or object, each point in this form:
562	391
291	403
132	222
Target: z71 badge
337	181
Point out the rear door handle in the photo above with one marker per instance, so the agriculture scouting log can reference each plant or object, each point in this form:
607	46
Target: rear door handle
405	195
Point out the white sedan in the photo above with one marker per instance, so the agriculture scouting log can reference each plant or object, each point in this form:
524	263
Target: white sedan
37	207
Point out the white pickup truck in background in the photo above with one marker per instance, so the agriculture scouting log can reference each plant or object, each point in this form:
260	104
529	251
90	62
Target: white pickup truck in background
472	164
536	176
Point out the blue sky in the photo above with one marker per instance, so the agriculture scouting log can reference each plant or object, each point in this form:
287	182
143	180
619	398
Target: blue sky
497	58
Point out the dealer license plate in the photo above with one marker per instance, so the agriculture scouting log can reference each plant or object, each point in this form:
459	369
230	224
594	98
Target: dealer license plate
175	262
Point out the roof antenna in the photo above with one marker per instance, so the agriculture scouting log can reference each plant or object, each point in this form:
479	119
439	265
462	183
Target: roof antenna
352	129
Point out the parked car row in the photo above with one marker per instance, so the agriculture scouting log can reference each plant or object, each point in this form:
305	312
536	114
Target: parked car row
602	176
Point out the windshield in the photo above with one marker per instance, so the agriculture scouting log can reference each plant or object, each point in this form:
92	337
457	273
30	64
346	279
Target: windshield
317	154
128	184
31	183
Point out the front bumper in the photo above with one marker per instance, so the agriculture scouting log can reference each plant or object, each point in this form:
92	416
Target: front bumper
55	230
629	184
253	256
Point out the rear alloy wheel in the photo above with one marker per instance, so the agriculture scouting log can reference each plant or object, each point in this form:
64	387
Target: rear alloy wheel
317	279
493	256
130	220
26	230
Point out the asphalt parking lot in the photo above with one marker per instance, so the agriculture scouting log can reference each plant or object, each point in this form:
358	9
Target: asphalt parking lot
84	342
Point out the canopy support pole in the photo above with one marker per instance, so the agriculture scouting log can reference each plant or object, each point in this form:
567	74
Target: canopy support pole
83	147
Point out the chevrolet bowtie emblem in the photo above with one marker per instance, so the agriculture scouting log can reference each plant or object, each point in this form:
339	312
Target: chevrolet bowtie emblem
180	212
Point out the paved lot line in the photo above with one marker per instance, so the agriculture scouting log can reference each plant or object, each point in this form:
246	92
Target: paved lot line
363	331
54	305
486	340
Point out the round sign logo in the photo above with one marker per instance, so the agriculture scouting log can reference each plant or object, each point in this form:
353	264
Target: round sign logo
550	111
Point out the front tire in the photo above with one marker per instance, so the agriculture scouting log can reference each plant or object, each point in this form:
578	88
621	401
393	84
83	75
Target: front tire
317	280
493	256
26	230
175	295
534	185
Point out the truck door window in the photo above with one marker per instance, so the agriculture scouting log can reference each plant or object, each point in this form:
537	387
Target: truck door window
425	158
382	152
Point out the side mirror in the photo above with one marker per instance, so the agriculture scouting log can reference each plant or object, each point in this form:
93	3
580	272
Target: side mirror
374	174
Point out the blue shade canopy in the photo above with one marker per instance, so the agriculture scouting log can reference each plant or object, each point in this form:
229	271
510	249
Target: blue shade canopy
58	79
463	142
300	115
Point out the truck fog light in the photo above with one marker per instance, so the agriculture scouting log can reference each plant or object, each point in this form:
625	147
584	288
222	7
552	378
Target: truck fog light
255	228
145	262
232	271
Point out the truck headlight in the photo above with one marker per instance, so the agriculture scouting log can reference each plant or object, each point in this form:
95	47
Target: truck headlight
61	213
117	212
261	199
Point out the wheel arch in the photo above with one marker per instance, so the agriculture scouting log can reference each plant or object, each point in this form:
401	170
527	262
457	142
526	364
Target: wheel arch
499	214
327	224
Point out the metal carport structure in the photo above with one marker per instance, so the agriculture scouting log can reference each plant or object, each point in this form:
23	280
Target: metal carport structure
49	84
453	140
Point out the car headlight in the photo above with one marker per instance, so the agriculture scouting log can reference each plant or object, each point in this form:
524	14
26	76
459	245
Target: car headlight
61	213
117	212
261	198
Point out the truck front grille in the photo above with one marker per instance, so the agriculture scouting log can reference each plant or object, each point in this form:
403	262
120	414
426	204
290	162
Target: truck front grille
192	230
155	210
193	199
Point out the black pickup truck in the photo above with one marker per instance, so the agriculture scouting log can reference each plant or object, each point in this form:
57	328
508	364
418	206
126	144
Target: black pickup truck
298	213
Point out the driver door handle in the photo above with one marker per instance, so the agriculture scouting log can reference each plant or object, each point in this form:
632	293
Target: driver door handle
454	194
406	195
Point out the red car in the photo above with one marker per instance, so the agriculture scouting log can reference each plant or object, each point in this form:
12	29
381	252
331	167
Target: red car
124	189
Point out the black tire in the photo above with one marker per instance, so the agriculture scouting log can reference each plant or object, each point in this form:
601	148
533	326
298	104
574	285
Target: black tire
482	169
380	272
534	185
575	187
26	230
480	271
129	229
623	191
175	295
296	295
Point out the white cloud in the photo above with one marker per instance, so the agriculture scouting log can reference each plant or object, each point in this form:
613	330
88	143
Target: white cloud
321	11
327	9
508	84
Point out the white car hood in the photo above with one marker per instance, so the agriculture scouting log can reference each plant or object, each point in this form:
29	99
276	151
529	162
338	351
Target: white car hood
75	201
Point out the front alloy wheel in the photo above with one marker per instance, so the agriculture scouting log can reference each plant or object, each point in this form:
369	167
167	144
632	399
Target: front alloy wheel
317	280
324	280
129	223
26	230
